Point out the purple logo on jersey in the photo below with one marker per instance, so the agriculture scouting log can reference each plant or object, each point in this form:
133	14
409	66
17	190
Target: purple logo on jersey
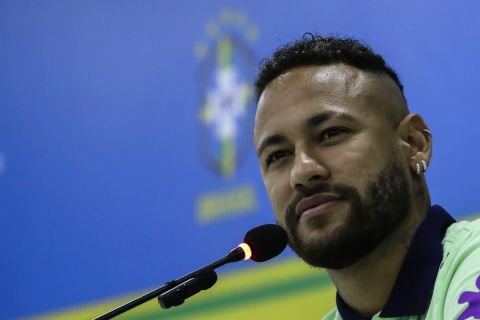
473	300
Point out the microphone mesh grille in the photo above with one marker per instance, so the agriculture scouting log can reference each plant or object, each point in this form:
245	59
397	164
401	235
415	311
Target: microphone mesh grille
266	241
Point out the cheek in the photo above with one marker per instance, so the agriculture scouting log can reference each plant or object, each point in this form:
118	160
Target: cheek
354	161
278	193
359	162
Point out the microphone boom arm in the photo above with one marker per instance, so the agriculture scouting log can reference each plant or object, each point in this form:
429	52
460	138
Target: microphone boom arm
236	254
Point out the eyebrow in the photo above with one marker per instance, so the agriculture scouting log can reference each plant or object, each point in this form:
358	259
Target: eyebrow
320	118
312	122
271	140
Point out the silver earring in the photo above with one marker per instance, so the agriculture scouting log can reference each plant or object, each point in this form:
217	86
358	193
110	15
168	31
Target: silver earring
427	132
417	166
424	164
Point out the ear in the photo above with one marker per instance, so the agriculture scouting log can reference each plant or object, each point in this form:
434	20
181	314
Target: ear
417	142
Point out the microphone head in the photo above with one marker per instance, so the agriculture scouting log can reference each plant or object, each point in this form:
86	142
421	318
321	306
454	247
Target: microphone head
266	241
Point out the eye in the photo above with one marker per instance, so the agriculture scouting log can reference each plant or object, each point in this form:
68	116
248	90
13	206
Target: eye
275	156
330	133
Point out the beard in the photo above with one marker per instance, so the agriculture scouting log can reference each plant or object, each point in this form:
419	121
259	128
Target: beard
369	221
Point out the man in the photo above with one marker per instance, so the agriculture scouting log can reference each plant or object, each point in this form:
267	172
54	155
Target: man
343	160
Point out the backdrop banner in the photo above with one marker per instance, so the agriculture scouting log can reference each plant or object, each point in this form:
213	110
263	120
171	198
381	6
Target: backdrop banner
126	148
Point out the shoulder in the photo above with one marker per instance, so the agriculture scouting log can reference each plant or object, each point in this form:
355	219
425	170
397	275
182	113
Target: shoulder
462	234
460	271
464	226
462	243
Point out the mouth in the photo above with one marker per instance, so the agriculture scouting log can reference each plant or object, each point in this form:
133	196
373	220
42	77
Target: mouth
316	205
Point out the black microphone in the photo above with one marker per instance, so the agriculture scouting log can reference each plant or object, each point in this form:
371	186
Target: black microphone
266	241
260	244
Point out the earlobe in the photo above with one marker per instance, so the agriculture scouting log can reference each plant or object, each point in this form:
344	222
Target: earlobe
417	141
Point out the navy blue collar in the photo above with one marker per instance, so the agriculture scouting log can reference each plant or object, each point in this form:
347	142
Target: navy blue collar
413	288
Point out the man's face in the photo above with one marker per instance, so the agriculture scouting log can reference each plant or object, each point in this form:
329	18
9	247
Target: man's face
332	162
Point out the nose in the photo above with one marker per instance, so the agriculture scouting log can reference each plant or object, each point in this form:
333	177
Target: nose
307	170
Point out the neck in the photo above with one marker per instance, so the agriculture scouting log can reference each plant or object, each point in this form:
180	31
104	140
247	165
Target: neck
366	285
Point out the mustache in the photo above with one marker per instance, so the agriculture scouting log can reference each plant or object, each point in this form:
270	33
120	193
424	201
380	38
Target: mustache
342	190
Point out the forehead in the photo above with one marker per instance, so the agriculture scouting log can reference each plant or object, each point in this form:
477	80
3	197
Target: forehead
338	87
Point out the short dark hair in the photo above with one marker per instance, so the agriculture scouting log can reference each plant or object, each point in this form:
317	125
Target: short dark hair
317	50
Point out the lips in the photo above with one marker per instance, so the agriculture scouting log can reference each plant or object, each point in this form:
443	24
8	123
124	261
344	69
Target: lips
315	204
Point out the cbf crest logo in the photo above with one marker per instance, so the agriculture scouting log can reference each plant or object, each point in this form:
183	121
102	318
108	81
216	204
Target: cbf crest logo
226	113
226	109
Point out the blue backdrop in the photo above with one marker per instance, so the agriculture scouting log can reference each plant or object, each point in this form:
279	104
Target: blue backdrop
112	171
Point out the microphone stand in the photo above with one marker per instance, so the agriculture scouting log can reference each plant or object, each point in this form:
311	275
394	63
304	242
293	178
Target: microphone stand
236	254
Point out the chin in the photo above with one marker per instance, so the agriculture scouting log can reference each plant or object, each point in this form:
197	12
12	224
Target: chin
331	247
316	238
318	233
